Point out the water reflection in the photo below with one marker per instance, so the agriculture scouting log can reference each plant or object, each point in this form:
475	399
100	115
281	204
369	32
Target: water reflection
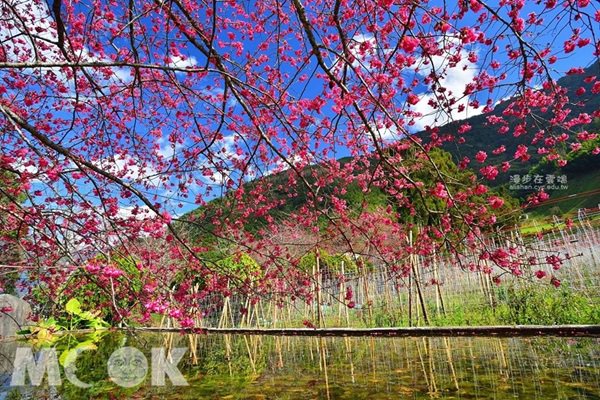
255	367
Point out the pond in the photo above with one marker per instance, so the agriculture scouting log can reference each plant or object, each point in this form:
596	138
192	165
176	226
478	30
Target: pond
271	367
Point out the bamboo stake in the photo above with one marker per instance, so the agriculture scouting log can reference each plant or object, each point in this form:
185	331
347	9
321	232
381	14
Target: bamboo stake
387	296
250	358
438	290
451	363
228	353
420	293
431	365
193	345
348	344
367	303
323	360
340	297
279	352
425	375
319	294
230	313
346	310
410	300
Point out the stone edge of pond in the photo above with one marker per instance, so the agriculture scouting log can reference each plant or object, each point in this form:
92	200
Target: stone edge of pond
450	331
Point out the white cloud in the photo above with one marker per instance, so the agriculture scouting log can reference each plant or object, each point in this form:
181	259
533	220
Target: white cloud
28	33
454	79
215	94
127	168
24	20
167	149
224	154
219	177
362	47
25	167
228	143
139	213
388	134
30	166
181	62
295	159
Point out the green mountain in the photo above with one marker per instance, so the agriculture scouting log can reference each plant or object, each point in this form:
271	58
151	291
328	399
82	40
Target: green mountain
482	136
582	171
485	136
285	194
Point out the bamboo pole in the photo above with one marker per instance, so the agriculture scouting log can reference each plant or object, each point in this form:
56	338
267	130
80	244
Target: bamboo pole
420	293
228	353
340	298
425	374
415	276
387	296
323	359
431	360
451	363
279	352
410	300
367	302
319	293
438	290
399	296
193	345
348	344
250	357
346	310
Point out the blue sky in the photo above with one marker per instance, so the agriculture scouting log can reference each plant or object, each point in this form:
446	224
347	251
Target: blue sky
455	80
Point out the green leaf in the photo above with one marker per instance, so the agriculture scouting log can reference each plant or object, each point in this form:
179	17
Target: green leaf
50	324
73	307
88	315
98	324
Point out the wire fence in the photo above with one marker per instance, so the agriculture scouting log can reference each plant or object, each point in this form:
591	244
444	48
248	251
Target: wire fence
435	290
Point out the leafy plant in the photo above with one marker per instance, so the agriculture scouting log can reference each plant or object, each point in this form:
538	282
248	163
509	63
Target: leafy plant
242	266
330	262
546	306
75	318
80	319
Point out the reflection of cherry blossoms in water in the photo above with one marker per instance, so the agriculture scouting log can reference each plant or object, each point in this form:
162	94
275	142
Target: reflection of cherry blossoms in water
285	367
127	367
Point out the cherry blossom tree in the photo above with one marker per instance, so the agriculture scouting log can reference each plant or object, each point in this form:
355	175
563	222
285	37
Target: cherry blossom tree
118	117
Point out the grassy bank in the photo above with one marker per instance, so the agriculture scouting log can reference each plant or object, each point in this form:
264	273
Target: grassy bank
513	305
